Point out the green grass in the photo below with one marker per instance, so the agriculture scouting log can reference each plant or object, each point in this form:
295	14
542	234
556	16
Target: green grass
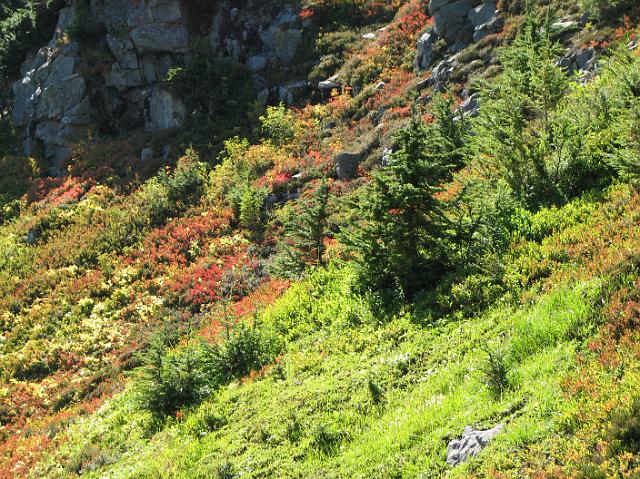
313	414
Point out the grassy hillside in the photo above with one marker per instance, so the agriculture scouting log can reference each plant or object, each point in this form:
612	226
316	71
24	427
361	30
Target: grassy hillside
250	314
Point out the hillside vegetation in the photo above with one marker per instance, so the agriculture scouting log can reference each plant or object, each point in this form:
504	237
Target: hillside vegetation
241	309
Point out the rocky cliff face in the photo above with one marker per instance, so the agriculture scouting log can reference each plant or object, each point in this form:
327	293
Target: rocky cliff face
68	89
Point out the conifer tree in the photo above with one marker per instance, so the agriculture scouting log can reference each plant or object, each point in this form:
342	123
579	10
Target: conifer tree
515	130
310	228
306	232
399	242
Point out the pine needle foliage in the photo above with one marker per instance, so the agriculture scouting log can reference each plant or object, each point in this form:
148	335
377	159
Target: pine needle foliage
515	131
399	244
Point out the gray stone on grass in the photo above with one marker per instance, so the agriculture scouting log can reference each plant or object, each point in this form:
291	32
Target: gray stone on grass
470	444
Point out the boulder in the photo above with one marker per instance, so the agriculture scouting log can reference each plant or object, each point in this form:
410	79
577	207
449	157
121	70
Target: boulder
385	159
293	92
330	83
580	60
451	20
257	63
347	165
470	106
147	155
164	111
283	36
485	20
489	28
483	13
286	43
470	444
440	74
426	53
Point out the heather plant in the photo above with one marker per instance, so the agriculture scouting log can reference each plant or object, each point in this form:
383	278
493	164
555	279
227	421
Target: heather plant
278	125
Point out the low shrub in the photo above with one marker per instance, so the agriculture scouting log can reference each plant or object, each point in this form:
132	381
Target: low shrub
495	372
175	379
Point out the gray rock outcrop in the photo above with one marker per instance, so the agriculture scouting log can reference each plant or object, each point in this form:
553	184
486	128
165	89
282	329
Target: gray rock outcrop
426	51
457	23
451	20
165	111
470	444
485	20
283	36
470	106
52	99
51	103
114	85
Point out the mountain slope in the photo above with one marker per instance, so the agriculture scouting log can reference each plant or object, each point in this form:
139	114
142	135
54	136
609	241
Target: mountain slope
375	224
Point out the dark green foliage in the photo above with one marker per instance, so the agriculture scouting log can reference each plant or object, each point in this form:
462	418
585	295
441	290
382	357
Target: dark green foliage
548	148
219	95
171	380
515	129
352	13
15	175
83	29
294	430
326	439
620	117
225	471
624	434
207	419
252	212
376	392
186	185
608	9
452	126
278	125
398	242
248	349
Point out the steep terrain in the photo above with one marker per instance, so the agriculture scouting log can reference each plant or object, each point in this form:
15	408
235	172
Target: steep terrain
329	238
